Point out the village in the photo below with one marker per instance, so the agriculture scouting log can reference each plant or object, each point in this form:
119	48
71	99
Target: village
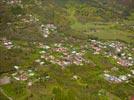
66	55
60	55
115	49
66	50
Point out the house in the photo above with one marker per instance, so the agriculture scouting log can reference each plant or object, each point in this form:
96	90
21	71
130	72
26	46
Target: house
123	77
114	69
38	61
124	62
112	79
132	72
129	75
16	67
5	80
42	52
8	44
132	98
46	47
14	2
30	84
23	77
46	30
75	77
42	63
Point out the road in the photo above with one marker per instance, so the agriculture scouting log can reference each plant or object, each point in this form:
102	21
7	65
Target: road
2	91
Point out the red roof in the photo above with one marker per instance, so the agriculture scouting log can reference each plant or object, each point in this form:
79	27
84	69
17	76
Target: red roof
132	98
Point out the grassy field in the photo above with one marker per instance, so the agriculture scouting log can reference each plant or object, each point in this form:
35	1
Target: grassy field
106	31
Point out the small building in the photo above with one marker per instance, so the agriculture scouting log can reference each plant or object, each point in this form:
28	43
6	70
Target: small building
5	80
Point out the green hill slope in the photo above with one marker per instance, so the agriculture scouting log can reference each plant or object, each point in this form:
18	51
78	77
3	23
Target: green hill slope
66	49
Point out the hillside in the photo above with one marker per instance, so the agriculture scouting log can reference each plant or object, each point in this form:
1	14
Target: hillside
62	13
66	49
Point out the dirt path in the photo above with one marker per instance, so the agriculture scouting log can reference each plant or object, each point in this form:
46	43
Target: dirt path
2	91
